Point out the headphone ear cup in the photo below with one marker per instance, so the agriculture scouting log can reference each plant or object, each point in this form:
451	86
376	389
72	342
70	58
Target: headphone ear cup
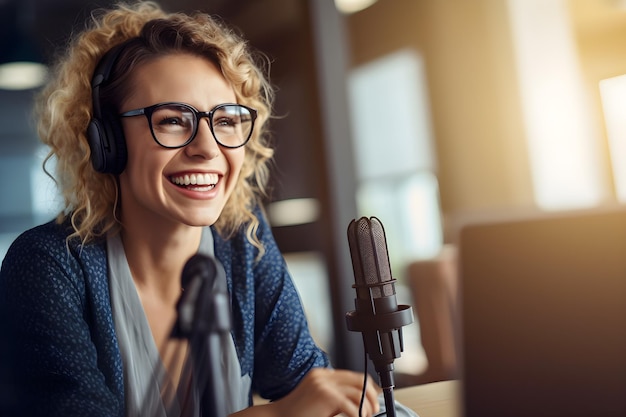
105	135
107	144
96	138
117	158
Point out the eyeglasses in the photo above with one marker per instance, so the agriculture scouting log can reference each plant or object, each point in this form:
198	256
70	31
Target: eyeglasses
174	125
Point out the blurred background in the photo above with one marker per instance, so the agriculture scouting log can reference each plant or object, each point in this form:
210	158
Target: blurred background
427	114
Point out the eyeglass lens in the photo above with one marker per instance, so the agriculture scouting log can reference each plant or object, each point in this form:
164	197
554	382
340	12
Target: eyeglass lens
174	125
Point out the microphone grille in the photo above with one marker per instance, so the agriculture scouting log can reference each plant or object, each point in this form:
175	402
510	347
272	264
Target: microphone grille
207	268
370	258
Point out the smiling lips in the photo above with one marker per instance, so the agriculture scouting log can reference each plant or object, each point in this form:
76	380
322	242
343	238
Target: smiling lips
196	182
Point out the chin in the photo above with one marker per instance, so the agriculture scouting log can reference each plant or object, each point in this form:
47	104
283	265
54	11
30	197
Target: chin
200	216
200	221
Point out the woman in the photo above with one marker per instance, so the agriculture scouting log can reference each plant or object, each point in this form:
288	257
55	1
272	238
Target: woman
157	123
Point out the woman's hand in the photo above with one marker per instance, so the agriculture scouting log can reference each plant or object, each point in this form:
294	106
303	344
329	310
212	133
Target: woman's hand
328	392
324	393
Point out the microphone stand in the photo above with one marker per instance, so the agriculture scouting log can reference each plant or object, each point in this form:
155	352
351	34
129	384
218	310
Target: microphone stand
387	384
204	319
206	347
382	338
209	387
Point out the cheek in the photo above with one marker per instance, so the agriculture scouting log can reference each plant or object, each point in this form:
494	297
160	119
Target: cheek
236	161
139	141
144	171
144	154
236	173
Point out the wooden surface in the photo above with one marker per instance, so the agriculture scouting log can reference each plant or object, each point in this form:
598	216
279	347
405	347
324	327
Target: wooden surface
438	399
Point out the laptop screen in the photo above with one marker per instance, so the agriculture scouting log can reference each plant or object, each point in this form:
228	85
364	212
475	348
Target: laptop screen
543	313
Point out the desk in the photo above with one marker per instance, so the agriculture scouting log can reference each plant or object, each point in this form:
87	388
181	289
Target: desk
438	399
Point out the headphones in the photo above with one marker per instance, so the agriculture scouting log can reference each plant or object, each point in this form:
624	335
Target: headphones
105	135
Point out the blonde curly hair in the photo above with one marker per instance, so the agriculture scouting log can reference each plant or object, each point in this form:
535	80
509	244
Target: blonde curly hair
64	108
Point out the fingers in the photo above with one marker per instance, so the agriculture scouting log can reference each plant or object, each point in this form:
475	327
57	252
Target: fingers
354	392
372	393
327	392
348	389
351	402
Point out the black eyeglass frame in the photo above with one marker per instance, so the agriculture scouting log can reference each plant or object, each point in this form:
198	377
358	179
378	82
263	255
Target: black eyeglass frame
147	111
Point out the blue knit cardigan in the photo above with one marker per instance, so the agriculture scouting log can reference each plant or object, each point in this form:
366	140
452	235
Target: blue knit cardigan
59	354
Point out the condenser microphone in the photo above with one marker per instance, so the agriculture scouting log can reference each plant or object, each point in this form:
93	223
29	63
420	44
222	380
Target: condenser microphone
377	316
204	317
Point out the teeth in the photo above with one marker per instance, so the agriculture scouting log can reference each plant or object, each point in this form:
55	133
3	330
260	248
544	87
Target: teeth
195	179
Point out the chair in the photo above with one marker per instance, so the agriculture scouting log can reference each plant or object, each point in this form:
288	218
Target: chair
433	285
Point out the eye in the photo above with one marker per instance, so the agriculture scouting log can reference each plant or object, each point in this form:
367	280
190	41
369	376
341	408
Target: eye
171	119
226	121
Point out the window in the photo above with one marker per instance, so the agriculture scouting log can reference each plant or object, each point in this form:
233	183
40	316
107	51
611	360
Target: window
394	154
396	170
562	144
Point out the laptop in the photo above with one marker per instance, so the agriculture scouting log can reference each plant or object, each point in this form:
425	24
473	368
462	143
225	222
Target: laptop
543	315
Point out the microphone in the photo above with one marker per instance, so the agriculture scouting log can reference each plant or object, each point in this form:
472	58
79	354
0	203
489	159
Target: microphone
377	316
203	306
204	317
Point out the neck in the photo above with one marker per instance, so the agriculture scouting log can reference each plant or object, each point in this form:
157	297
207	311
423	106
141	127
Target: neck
156	256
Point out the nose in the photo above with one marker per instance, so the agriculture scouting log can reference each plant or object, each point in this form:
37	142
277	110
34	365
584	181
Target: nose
204	144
